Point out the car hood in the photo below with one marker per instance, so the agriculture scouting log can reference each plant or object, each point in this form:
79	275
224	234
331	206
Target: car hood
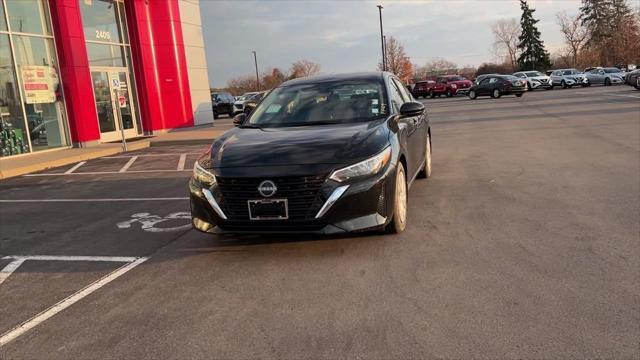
540	78
300	145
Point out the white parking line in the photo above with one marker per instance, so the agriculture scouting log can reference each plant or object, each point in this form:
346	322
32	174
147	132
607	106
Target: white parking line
75	167
146	155
74	298
106	172
183	159
9	269
128	164
91	200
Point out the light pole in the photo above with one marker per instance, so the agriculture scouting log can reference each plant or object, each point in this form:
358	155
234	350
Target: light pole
255	61
384	60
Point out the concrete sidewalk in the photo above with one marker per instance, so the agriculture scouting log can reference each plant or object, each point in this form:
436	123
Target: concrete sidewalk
28	163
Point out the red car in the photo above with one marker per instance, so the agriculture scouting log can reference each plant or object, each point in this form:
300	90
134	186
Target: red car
422	88
450	85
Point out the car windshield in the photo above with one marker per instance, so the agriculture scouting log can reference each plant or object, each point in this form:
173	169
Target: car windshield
534	73
246	96
510	77
570	72
454	78
321	103
611	70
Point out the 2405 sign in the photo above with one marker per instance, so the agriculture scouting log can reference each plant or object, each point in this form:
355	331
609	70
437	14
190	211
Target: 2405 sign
103	35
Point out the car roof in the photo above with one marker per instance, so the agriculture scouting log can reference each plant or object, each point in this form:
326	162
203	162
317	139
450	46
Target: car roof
377	75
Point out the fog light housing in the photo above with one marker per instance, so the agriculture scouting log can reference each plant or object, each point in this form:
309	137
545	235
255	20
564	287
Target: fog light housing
201	224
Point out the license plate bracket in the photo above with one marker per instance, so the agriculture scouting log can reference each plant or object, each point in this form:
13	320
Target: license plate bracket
268	209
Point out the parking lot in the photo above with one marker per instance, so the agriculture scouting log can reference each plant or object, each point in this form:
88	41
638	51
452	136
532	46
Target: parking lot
524	243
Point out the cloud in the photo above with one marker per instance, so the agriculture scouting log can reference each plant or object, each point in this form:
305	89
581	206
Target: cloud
345	36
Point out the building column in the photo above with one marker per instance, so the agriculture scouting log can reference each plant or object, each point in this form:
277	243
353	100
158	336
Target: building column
159	64
75	72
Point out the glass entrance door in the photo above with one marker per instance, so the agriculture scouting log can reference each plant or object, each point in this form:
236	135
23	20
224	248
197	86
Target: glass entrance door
113	103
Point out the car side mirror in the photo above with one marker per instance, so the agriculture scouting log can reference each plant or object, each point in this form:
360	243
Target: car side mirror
239	119
249	106
412	108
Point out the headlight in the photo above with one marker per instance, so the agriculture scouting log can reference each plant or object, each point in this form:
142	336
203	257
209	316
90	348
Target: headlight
202	175
367	167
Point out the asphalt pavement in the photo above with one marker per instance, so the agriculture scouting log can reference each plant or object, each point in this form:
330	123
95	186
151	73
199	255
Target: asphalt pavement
525	243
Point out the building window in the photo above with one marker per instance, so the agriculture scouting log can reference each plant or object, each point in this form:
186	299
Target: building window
31	104
105	55
101	19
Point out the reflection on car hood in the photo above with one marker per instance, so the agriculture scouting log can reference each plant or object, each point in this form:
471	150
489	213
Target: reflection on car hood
300	145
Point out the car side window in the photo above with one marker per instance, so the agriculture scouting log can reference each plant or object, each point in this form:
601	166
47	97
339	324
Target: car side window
492	80
403	90
484	81
396	97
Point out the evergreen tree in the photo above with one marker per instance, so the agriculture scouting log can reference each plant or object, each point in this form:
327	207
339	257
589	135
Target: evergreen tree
597	16
533	55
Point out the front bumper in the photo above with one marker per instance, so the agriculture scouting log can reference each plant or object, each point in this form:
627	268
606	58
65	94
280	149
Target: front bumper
365	205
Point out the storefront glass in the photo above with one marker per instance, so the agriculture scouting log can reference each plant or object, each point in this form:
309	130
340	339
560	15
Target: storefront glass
108	50
3	21
27	16
31	103
13	138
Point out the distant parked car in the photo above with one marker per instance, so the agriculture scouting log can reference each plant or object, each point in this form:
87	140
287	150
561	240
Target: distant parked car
605	76
568	78
251	104
222	103
498	85
422	88
480	77
633	79
238	105
535	80
450	85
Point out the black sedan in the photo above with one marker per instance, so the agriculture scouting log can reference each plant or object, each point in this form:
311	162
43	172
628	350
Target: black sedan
328	154
496	85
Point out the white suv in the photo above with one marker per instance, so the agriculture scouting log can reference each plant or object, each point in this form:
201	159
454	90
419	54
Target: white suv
535	80
568	78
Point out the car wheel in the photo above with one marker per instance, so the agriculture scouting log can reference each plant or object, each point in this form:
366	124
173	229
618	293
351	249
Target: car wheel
431	94
519	94
472	95
215	114
550	87
399	221
496	93
607	82
563	84
449	94
425	173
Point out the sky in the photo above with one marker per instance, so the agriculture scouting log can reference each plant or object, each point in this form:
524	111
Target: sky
344	36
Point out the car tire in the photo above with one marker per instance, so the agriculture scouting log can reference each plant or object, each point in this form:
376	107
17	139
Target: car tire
519	94
607	82
431	94
496	94
529	88
550	87
399	221
563	84
425	173
472	95
215	114
449	93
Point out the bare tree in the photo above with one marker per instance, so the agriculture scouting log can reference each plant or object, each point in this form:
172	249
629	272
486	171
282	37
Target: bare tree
575	35
397	60
439	66
506	33
302	68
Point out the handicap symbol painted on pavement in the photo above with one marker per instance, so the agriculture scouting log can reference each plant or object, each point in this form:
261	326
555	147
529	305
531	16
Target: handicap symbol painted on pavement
148	222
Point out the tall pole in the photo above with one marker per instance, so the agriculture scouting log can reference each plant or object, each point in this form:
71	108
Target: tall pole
255	61
384	63
384	46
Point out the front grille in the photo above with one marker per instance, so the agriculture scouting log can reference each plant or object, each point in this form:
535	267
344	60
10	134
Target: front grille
302	194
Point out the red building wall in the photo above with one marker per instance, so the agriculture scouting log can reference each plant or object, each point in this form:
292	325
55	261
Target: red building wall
159	65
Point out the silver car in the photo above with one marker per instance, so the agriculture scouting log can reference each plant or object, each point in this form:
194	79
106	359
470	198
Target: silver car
568	78
606	76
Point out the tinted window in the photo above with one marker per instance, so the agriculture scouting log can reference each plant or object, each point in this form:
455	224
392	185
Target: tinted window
492	80
520	75
317	103
611	70
534	73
